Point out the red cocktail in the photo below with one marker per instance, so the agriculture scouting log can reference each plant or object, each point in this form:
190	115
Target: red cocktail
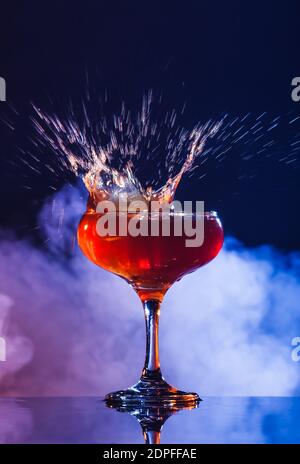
151	264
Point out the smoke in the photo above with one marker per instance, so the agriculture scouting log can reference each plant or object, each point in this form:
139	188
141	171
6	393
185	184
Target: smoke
73	329
17	348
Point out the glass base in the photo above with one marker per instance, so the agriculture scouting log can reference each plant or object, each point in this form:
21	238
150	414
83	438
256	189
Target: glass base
152	393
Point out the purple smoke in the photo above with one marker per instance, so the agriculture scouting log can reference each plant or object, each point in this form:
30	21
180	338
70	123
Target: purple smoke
74	329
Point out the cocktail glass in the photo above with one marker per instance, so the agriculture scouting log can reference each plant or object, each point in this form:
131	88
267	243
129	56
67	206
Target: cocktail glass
150	264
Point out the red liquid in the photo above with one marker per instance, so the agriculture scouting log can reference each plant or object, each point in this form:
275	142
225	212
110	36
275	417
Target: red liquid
151	264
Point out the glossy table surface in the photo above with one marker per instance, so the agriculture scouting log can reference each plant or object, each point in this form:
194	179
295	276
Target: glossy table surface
89	420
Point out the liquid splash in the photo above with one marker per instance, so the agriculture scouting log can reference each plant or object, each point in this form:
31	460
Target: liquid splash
108	153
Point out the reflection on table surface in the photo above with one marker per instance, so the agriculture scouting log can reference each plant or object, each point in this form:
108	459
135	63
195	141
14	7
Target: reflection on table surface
89	420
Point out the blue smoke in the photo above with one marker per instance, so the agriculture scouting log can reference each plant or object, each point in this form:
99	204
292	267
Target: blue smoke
74	329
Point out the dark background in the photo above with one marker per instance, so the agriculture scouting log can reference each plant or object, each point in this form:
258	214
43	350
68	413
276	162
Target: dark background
233	56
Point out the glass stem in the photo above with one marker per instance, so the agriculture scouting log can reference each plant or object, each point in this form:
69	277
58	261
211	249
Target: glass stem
152	437
151	369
